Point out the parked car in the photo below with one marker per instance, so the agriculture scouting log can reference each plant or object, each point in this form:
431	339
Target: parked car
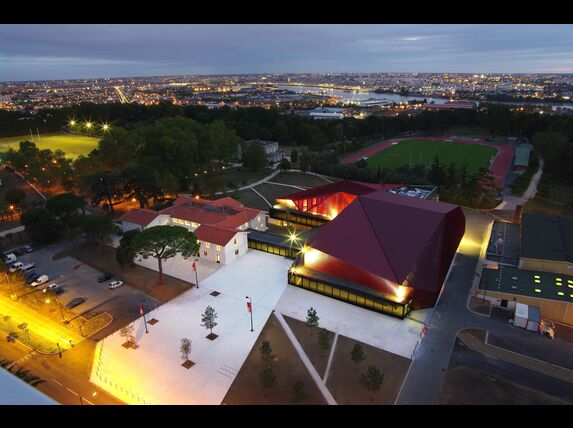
19	251
106	276
42	279
15	266
28	248
28	268
75	302
54	288
10	258
32	276
115	284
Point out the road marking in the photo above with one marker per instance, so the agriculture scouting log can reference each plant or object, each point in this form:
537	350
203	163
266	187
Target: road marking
56	381
75	393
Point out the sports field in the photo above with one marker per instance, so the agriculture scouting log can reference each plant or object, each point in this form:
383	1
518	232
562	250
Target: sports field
423	151
73	145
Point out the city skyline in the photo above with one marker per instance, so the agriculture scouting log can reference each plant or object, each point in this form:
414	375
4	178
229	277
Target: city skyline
66	52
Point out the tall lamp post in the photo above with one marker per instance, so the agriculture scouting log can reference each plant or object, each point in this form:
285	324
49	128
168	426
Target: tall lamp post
142	313
195	270
250	308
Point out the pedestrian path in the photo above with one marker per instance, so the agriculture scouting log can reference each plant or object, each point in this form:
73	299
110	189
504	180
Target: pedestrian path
330	358
306	361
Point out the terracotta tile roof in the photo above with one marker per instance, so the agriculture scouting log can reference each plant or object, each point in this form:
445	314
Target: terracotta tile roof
139	216
215	235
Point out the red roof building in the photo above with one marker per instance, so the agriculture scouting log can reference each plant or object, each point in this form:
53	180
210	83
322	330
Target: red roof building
220	225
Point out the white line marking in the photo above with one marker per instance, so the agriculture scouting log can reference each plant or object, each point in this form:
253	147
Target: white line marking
56	381
75	393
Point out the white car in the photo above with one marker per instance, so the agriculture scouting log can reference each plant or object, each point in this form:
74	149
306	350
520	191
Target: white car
115	284
42	279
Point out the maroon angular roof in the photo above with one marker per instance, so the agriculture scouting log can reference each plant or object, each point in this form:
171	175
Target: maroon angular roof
383	233
346	186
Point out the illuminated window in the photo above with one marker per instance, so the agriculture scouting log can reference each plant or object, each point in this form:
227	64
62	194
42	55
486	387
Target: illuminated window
207	245
558	284
537	281
560	293
218	248
536	276
235	242
187	223
557	279
193	224
537	290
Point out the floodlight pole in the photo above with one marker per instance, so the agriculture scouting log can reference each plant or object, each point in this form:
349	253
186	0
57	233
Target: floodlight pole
251	310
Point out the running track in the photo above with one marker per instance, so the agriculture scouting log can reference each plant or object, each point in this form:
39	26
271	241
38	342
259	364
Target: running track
499	168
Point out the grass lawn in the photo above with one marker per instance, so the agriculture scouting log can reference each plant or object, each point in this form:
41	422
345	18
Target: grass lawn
420	151
552	198
73	145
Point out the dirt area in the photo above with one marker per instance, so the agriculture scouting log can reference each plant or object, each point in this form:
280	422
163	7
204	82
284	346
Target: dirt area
249	199
465	385
343	379
102	258
300	179
308	339
286	365
477	305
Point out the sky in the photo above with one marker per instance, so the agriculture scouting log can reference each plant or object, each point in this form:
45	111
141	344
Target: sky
69	51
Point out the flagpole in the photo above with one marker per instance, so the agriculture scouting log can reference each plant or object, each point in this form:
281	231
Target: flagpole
141	312
250	306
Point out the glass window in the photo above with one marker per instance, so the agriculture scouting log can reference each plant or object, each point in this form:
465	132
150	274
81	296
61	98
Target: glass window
344	294
352	298
187	223
335	292
207	245
368	303
360	300
305	281
327	290
204	253
235	241
320	287
313	285
218	248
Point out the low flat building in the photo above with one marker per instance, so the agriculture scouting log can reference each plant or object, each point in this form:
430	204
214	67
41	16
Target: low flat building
331	113
522	156
272	151
221	226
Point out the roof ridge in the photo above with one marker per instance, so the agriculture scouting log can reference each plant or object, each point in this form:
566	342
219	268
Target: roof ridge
377	238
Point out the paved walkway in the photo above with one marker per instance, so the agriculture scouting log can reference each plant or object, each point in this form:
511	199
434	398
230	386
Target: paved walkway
313	373
256	183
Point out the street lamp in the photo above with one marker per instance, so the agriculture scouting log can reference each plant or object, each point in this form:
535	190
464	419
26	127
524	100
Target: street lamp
59	306
250	308
195	269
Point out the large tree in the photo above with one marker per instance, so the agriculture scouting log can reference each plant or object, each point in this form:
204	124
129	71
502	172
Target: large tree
66	205
41	225
104	186
140	183
165	242
254	155
97	227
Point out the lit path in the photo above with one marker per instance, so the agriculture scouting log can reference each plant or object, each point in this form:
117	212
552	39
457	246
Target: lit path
40	325
256	183
31	185
330	358
287	185
313	373
265	199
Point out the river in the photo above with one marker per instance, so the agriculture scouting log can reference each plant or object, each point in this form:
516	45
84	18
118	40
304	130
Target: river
358	96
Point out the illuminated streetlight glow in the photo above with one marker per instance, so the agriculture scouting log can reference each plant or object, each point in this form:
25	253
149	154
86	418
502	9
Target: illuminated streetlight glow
72	122
105	127
88	125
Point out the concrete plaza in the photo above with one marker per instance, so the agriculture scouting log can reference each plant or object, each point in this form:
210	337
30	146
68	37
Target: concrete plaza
152	373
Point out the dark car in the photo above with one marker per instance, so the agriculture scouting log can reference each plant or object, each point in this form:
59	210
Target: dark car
32	277
54	288
106	276
19	251
75	302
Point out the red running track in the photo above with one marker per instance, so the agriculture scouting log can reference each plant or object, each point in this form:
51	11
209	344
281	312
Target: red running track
499	168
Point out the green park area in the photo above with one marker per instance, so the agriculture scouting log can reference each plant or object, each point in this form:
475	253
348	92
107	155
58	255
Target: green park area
423	152
72	145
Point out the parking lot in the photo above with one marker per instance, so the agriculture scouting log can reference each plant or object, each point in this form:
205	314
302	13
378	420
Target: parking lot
80	280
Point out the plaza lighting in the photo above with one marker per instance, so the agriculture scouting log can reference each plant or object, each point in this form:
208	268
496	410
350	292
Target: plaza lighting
293	237
88	125
105	127
72	122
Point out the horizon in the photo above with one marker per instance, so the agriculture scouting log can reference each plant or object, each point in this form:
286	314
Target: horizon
47	52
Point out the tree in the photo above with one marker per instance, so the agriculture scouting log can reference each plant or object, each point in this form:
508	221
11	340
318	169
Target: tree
254	155
66	205
208	319
305	161
21	373
372	380
266	351
140	183
323	339
125	252
299	392
104	186
41	225
357	353
97	227
294	156
185	348
165	242
126	332
15	196
312	318
285	164
267	378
